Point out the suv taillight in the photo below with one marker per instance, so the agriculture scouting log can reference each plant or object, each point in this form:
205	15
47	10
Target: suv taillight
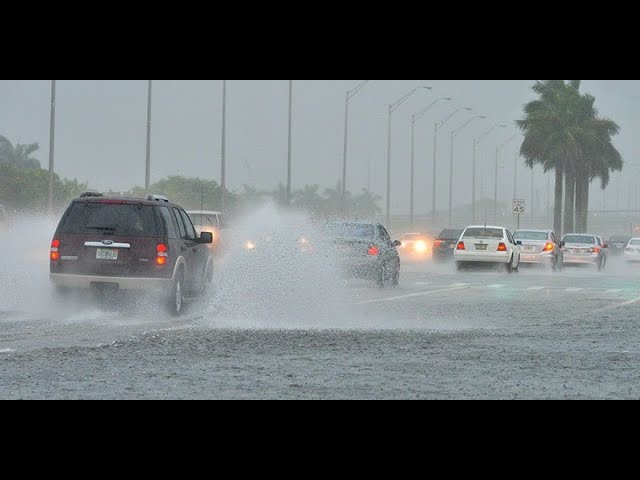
161	257
373	251
437	243
55	250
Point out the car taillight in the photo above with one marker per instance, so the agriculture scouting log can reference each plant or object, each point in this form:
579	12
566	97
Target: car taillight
502	247
595	250
437	243
460	246
161	257
55	250
373	251
548	247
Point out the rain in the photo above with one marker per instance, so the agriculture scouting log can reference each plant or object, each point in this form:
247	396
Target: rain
315	239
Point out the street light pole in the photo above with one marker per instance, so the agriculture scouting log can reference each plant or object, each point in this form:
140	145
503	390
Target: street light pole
495	181
350	94
414	119
147	178
436	127
52	132
223	172
392	108
289	143
476	142
454	134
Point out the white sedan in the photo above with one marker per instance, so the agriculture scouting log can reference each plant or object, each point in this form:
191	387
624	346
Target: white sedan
632	252
487	245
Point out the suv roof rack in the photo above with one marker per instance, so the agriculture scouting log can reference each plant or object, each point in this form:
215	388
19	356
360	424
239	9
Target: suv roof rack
90	194
157	198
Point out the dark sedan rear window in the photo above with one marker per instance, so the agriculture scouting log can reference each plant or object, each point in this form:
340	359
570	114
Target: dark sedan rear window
354	231
110	219
450	234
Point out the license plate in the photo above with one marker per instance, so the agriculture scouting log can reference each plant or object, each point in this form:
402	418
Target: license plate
528	248
453	247
107	254
481	248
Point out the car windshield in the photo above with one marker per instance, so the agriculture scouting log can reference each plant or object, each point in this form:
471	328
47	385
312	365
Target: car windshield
484	233
354	231
524	235
204	220
580	239
415	236
110	219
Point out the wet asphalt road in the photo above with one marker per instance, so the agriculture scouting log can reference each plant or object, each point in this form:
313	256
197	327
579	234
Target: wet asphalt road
439	335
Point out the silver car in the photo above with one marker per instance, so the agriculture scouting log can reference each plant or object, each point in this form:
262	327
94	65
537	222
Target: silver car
540	247
582	248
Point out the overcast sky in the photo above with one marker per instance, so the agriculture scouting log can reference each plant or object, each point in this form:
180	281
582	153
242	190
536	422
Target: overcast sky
101	133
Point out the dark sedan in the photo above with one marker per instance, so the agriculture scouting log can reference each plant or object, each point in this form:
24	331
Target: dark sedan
445	244
366	251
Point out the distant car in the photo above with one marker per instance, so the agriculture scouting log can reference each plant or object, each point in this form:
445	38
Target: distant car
632	251
112	243
209	221
580	248
540	247
618	244
482	245
445	244
416	246
366	251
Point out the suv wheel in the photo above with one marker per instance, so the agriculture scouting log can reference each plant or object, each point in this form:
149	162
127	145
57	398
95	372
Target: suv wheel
176	298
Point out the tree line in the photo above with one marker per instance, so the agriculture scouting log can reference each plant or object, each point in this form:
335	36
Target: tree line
24	186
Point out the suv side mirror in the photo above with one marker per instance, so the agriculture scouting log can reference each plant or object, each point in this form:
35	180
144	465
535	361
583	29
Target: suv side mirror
206	237
397	243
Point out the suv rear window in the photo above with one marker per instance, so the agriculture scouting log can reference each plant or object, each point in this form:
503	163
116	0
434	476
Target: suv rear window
110	219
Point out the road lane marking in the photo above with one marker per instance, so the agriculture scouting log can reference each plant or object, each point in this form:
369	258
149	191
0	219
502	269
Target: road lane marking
410	295
574	290
497	285
617	306
7	350
614	290
460	285
535	288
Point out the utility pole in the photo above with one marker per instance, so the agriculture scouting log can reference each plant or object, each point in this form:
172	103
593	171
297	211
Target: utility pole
147	180
289	142
223	173
52	133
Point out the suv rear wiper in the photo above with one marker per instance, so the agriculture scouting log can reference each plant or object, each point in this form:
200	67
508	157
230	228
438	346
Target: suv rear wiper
103	229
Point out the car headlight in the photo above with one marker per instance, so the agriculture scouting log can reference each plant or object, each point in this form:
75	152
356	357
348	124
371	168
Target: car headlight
421	247
249	245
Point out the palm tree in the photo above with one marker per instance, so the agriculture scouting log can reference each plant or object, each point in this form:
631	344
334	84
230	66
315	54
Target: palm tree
547	139
20	155
603	158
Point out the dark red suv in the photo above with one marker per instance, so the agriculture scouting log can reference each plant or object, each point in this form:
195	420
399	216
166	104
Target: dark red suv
131	244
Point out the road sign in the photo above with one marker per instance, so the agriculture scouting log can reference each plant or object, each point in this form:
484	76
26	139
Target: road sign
519	206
